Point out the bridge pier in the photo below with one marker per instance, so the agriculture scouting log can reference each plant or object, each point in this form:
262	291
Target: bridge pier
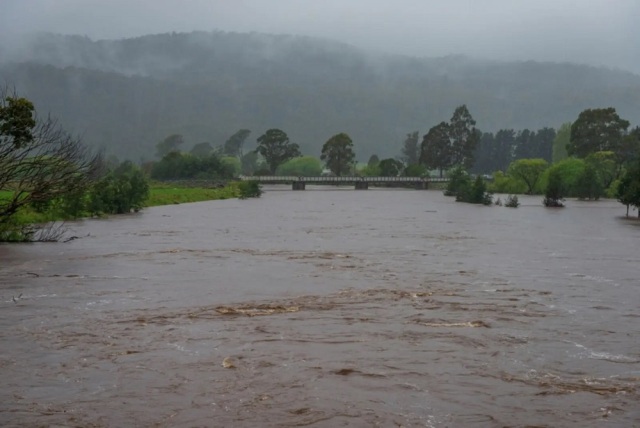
298	185
362	185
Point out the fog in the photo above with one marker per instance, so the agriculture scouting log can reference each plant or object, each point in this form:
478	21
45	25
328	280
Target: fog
597	32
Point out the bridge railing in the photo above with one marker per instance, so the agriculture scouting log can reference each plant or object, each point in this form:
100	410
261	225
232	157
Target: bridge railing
334	179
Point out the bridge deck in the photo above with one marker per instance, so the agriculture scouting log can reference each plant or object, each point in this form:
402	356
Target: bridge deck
348	179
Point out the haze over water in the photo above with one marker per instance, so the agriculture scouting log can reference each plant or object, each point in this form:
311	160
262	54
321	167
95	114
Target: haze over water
327	307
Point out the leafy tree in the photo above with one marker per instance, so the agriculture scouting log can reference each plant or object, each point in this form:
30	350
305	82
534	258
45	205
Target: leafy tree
373	160
415	170
275	147
249	189
201	150
234	145
464	137
120	191
337	153
370	170
390	167
588	185
569	171
17	120
39	163
604	165
484	155
529	171
531	144
435	151
306	166
250	163
459	181
560	143
184	166
410	149
475	193
494	152
231	163
554	192
503	149
597	130
169	144
506	184
628	191
629	148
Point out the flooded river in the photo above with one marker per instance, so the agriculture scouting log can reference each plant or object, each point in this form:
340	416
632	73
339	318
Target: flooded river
327	308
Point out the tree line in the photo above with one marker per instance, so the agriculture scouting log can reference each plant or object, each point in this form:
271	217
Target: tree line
586	159
46	169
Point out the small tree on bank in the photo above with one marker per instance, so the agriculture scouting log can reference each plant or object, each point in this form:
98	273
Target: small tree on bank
528	171
628	191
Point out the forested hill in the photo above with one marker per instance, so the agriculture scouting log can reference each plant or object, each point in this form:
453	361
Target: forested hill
126	95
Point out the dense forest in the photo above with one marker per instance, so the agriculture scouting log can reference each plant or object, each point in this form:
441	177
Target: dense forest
127	95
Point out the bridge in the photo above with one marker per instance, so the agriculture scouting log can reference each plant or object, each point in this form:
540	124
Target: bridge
361	183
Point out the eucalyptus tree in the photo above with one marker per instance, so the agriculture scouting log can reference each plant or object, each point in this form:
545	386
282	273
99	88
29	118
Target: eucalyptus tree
411	149
464	137
435	150
337	153
276	148
597	130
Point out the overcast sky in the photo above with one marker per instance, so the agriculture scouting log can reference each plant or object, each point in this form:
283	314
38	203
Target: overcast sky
598	32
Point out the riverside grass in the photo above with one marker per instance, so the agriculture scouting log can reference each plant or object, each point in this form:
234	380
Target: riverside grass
159	194
167	194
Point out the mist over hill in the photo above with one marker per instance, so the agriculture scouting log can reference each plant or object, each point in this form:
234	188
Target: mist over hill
126	95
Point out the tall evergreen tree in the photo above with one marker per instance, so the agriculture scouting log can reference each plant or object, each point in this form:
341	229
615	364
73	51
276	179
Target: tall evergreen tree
410	149
233	146
435	150
464	137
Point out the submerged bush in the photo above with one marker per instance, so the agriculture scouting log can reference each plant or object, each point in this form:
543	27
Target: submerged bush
512	201
120	191
554	192
459	181
249	189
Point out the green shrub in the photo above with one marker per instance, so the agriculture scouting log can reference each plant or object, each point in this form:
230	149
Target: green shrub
569	171
475	193
249	189
459	182
504	184
306	166
588	185
554	192
512	201
120	191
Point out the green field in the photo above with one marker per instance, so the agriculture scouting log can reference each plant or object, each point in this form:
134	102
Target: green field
159	194
167	194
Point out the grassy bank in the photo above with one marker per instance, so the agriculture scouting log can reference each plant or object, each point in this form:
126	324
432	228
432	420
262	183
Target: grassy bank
167	194
159	194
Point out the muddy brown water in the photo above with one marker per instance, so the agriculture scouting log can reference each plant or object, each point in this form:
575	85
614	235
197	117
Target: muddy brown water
327	308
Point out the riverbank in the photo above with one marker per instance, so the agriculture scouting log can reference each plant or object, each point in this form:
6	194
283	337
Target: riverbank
159	194
168	193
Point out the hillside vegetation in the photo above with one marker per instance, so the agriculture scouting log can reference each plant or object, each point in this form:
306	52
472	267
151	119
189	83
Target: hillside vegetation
127	95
